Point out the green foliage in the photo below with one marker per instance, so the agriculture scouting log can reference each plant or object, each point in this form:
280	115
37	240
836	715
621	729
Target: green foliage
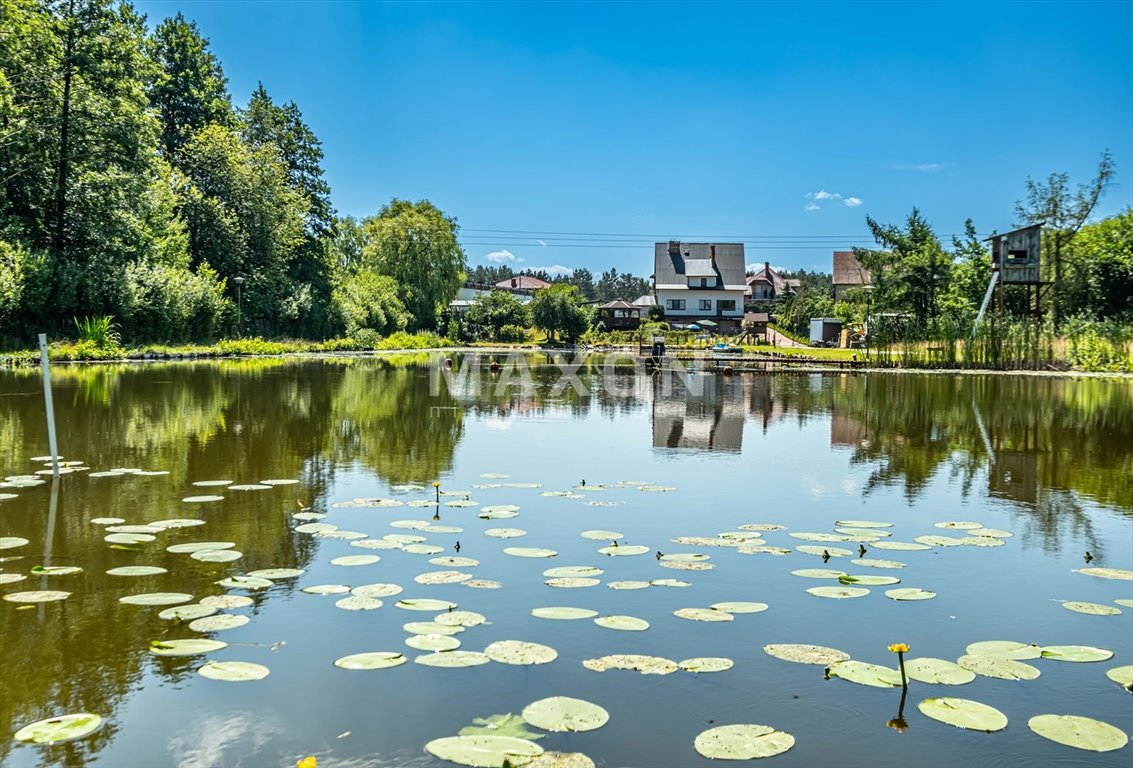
1100	277
175	303
496	316
188	88
415	243
368	301
100	332
909	271
557	310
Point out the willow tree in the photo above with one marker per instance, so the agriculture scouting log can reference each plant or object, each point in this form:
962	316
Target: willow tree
416	245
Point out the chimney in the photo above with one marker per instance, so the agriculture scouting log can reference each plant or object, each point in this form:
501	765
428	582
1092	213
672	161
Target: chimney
713	254
674	248
767	269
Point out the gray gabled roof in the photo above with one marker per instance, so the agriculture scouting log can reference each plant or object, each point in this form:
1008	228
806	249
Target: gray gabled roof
695	260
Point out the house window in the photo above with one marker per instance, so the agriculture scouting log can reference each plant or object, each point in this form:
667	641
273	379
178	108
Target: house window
674	303
726	305
704	282
706	305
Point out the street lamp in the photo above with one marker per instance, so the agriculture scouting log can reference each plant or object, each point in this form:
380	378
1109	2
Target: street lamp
239	306
868	294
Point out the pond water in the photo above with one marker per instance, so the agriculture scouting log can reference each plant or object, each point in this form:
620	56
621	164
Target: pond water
1047	460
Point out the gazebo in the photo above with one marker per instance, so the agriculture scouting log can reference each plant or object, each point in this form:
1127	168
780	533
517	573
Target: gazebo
619	315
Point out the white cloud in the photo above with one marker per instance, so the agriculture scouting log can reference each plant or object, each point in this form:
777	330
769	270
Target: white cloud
811	207
504	256
822	194
541	243
555	269
852	202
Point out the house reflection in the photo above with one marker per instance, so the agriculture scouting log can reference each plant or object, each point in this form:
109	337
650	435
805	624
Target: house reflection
700	411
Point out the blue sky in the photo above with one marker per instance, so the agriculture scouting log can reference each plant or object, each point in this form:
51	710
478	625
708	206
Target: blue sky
575	135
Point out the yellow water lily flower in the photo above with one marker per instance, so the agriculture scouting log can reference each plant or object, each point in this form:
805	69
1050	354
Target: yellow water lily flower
899	648
307	762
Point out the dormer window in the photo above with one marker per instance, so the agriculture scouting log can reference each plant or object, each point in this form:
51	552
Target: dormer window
704	282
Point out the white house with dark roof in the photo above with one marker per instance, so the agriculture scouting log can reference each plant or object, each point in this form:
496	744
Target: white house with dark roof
700	281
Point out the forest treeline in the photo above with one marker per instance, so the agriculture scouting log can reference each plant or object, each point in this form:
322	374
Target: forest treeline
132	185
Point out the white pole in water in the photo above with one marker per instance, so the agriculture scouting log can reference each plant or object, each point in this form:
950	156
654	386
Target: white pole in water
52	444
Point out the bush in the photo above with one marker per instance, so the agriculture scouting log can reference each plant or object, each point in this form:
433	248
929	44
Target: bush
25	284
511	333
174	304
367	300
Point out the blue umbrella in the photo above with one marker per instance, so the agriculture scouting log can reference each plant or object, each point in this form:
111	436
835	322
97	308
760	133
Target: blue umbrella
693	327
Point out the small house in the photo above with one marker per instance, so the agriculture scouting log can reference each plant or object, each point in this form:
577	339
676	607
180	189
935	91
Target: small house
755	323
619	315
695	282
848	274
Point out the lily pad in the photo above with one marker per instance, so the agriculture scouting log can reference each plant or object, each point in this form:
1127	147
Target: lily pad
868	579
424	604
219	622
1093	609
561	714
431	628
998	667
422	549
870	562
1079	732
56	730
742	742
866	674
706	664
1124	601
156	598
461	619
377	659
356	603
599	535
217	555
326	589
212	483
482	584
280	481
938	671
703	614
203	499
276	574
624	623
739	607
37	596
909	593
806	654
814	549
646	665
529	552
129	538
818	573
442	577
375	544
959	525
249	487
452	659
245	582
59	570
193	646
862	524
1007	649
564	613
964	713
1078	653
903	546
571	571
505	533
624	550
234	671
198	546
1123	676
569	582
484	751
433	642
501	725
376	590
187	612
520	653
455	562
227	602
355	560
838	593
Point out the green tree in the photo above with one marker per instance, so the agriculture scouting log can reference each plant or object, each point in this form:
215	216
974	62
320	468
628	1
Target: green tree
971	273
246	220
188	88
415	243
1062	213
1102	258
367	300
909	270
558	309
496	316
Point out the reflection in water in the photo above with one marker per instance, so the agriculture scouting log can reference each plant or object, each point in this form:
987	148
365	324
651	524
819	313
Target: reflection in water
1044	445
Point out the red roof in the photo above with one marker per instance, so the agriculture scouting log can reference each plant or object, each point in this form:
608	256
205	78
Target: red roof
523	281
